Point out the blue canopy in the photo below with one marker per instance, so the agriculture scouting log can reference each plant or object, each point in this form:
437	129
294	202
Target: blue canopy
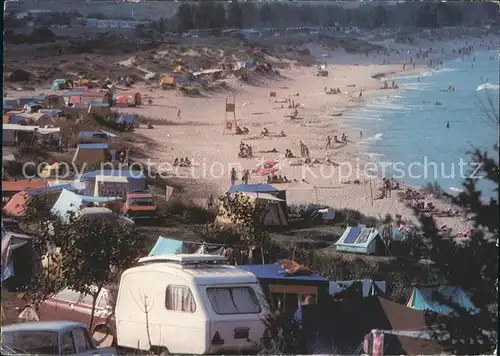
54	188
130	174
257	188
93	146
275	271
164	246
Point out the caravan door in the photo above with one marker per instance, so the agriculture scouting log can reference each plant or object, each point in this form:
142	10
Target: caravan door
237	314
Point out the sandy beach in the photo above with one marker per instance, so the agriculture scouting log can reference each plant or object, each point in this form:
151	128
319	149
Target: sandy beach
199	133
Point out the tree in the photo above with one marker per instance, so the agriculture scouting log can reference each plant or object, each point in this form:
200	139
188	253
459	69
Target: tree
185	18
378	17
219	17
248	218
448	15
265	14
426	16
203	15
251	15
306	14
235	15
94	249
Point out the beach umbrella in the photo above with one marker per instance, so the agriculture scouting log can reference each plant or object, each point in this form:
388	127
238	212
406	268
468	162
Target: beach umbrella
268	167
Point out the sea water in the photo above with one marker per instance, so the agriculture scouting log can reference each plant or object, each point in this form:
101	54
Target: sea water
406	133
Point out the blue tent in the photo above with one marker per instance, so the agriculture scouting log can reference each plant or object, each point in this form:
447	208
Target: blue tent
257	188
71	202
164	246
429	298
128	119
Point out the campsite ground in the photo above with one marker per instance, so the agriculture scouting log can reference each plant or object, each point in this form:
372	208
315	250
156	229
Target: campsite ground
199	132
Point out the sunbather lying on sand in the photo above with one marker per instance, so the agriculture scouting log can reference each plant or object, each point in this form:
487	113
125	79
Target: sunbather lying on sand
274	150
356	181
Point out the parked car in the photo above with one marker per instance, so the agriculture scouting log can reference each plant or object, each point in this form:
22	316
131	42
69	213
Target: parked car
139	206
50	338
189	304
75	306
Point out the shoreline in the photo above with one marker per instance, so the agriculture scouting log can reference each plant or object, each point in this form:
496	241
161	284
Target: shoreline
452	190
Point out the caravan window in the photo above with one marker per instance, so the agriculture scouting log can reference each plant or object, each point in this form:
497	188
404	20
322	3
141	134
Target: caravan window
179	298
233	300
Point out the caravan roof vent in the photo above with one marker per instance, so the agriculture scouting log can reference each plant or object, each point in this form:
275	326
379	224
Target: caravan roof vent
184	259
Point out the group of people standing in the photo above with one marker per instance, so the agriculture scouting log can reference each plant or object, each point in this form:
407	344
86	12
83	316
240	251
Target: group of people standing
246	151
245	176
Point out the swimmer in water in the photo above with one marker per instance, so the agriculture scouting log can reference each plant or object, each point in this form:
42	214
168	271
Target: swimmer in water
438	103
447	124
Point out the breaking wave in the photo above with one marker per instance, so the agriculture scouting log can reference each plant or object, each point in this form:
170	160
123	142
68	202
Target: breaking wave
488	86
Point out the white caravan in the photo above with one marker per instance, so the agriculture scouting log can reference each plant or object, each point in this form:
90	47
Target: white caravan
189	304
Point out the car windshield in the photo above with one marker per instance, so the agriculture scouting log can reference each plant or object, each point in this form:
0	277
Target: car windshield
32	342
140	201
233	300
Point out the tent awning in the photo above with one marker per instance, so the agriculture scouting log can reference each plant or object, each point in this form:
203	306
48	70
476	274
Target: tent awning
265	196
164	246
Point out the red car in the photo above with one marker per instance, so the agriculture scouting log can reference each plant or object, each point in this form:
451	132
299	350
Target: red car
74	306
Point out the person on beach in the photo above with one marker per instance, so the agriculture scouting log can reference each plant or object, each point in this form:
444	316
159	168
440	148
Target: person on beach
360	95
233	176
328	143
361	134
245	176
179	114
301	149
387	188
